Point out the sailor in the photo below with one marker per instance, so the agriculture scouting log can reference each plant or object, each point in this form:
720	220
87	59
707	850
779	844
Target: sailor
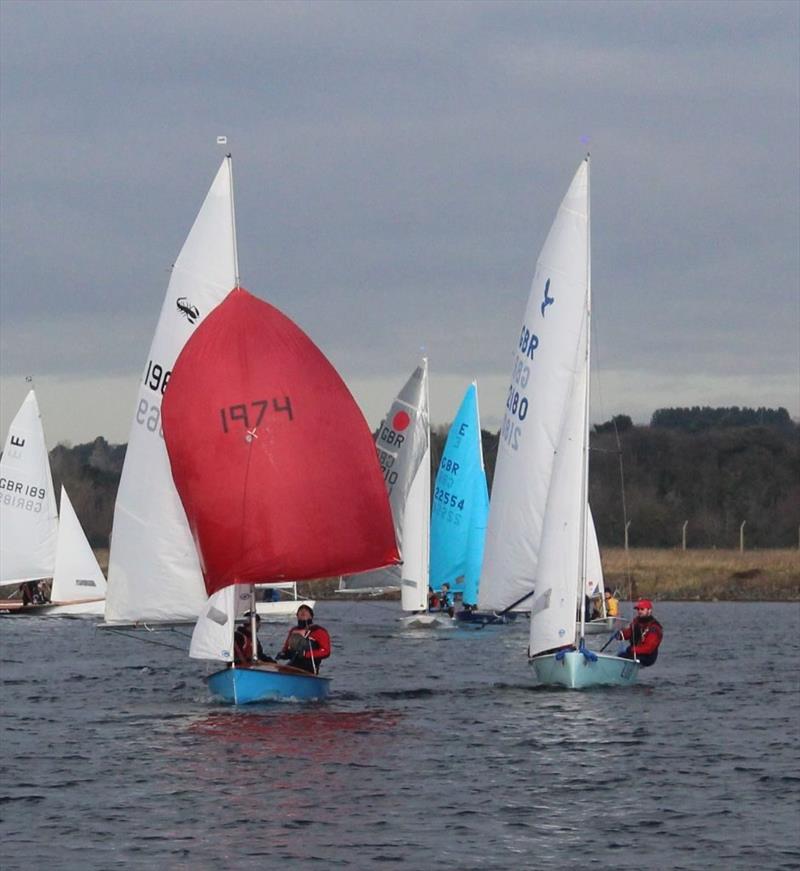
243	642
645	634
446	600
306	644
612	604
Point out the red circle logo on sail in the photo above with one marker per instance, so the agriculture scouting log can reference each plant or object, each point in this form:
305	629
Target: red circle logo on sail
400	421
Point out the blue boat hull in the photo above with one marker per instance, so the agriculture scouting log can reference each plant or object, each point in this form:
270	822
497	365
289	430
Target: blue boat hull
243	685
575	671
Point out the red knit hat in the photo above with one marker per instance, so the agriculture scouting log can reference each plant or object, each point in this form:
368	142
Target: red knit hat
643	603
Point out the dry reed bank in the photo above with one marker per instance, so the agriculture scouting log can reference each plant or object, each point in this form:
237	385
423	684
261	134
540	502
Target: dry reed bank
690	575
705	575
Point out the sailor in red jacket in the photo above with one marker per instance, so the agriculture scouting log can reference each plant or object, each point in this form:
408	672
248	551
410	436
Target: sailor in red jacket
306	644
645	634
243	642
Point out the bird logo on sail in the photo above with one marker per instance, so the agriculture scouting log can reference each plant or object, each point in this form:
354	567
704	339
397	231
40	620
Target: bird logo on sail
548	300
189	311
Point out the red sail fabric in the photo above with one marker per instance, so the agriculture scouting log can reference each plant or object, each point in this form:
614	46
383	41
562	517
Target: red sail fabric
272	458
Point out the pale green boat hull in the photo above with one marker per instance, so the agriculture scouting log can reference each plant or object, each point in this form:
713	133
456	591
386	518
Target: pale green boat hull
575	671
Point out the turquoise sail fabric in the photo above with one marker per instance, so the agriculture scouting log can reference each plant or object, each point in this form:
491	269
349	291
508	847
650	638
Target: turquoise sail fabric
460	505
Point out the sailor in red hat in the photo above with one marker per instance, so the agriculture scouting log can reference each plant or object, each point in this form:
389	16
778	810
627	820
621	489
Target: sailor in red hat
644	634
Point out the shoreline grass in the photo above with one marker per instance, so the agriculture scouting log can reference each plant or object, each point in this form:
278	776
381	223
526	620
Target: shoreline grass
667	575
704	575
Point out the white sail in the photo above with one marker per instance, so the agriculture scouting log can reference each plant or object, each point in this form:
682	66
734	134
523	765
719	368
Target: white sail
594	566
554	607
154	574
28	514
403	445
416	535
212	637
538	422
77	573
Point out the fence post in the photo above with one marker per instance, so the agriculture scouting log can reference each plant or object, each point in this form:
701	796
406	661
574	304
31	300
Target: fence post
741	537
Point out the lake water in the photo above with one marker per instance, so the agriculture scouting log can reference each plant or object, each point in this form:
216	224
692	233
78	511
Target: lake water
435	750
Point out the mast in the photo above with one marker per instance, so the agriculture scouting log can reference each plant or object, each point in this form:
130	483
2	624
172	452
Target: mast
229	158
585	450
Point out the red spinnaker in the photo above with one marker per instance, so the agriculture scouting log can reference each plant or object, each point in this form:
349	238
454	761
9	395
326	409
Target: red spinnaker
271	455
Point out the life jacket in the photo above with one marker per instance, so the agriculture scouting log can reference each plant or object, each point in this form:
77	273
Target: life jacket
645	635
307	646
242	645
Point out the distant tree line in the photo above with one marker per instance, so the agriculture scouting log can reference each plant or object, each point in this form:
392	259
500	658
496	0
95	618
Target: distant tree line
697	419
711	467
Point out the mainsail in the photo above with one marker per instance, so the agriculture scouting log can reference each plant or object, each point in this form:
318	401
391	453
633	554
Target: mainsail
538	493
154	575
77	574
460	505
403	445
28	514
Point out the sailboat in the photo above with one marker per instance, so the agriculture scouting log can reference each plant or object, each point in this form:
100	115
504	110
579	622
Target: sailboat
538	533
79	586
403	445
154	575
595	584
161	571
34	544
277	472
275	607
460	510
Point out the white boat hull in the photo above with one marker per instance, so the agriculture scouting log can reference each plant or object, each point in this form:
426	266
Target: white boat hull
575	671
602	626
87	608
428	621
280	610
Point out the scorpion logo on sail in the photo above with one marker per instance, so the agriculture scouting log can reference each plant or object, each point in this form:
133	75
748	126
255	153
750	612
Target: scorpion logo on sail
548	300
189	311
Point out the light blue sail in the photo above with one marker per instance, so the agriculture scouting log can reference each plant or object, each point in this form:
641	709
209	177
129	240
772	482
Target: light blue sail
460	505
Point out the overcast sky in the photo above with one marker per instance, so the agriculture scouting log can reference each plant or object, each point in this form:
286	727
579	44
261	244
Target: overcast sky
397	168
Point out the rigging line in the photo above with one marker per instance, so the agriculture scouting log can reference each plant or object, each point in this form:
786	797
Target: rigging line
628	573
513	605
601	403
139	637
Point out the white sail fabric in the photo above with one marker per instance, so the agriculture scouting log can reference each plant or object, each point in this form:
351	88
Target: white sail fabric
546	362
416	538
594	566
212	637
77	573
154	574
555	604
403	445
28	514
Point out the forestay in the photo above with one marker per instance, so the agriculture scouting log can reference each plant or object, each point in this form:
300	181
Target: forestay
28	514
154	574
